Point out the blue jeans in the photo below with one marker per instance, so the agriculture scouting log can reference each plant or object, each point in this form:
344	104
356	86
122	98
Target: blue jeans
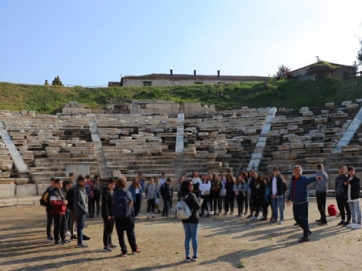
277	203
166	207
355	208
191	232
80	226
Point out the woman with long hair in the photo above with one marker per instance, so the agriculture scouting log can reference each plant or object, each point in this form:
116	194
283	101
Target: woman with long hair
205	188
230	196
253	180
136	189
216	200
240	189
191	225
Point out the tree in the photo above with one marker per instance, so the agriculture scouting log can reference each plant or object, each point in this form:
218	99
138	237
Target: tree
46	83
283	72
359	54
57	82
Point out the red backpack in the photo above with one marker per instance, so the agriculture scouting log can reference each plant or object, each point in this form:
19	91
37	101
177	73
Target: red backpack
332	210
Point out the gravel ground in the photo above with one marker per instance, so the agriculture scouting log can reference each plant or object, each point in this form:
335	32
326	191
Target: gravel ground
225	243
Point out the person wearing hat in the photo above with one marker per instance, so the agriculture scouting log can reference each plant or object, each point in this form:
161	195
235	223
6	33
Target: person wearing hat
298	193
277	191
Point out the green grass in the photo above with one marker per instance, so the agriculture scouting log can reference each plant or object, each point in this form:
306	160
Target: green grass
284	93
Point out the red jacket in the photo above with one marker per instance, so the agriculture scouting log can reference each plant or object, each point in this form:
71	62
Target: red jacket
57	207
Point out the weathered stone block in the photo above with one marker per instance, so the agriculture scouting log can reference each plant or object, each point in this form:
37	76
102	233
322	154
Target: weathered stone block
26	190
7	190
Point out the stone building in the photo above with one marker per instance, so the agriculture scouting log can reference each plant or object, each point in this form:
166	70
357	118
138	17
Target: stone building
323	69
171	79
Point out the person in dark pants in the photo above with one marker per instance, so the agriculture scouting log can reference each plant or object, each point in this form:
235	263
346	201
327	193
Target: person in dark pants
97	194
89	188
341	196
136	189
321	194
166	194
298	193
80	209
58	207
123	215
46	202
277	188
240	189
216	200
107	214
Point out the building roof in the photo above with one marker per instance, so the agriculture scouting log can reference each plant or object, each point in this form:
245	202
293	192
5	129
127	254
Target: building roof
335	64
178	77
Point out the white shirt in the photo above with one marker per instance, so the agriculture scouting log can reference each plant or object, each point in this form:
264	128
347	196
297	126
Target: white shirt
205	187
137	190
162	181
274	186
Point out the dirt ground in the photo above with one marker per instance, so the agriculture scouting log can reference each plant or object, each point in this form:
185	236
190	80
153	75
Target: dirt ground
225	243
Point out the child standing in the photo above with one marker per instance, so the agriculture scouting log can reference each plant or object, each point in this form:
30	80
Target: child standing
353	198
150	192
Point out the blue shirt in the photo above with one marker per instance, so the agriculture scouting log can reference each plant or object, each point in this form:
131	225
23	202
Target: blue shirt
301	189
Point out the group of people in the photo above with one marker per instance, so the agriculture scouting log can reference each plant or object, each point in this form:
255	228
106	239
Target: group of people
209	194
66	206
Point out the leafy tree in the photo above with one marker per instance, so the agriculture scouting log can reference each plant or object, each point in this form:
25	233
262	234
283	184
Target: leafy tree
46	83
283	72
359	54
57	82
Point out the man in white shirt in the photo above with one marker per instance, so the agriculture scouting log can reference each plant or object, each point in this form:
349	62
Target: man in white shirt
276	188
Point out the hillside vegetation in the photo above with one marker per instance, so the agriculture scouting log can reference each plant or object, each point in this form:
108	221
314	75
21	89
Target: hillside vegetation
284	93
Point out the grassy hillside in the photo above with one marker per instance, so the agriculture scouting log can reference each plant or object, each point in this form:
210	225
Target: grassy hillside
287	93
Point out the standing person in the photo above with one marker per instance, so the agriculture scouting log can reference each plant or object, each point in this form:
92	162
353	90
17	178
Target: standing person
107	215
80	209
321	193
259	196
165	191
216	199
97	193
277	195
298	193
123	216
195	178
342	197
182	179
191	225
240	189
90	194
157	199
151	193
353	190
205	188
230	195
72	216
246	197
266	201
252	180
65	190
45	201
58	208
136	191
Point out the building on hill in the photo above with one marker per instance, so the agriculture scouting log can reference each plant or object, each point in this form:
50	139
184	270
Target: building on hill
323	69
171	79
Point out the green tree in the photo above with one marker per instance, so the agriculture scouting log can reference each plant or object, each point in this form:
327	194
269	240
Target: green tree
46	83
57	82
283	72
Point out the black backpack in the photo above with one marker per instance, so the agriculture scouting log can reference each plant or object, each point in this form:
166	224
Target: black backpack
44	200
121	206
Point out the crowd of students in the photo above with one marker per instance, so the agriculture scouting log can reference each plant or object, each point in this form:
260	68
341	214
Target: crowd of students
206	195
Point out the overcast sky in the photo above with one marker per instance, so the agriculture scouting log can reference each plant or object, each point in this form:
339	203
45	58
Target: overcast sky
89	43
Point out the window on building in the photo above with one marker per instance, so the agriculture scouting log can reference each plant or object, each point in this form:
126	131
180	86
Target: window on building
199	83
147	83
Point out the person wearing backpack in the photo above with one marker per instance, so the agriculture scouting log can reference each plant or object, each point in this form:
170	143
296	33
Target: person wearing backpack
123	216
107	214
191	225
44	201
166	193
150	192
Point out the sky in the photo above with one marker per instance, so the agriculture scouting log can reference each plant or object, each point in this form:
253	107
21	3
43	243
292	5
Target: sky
89	43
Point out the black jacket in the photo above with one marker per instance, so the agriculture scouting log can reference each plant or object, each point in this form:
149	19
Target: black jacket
280	188
107	203
70	198
194	205
166	192
355	187
229	186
